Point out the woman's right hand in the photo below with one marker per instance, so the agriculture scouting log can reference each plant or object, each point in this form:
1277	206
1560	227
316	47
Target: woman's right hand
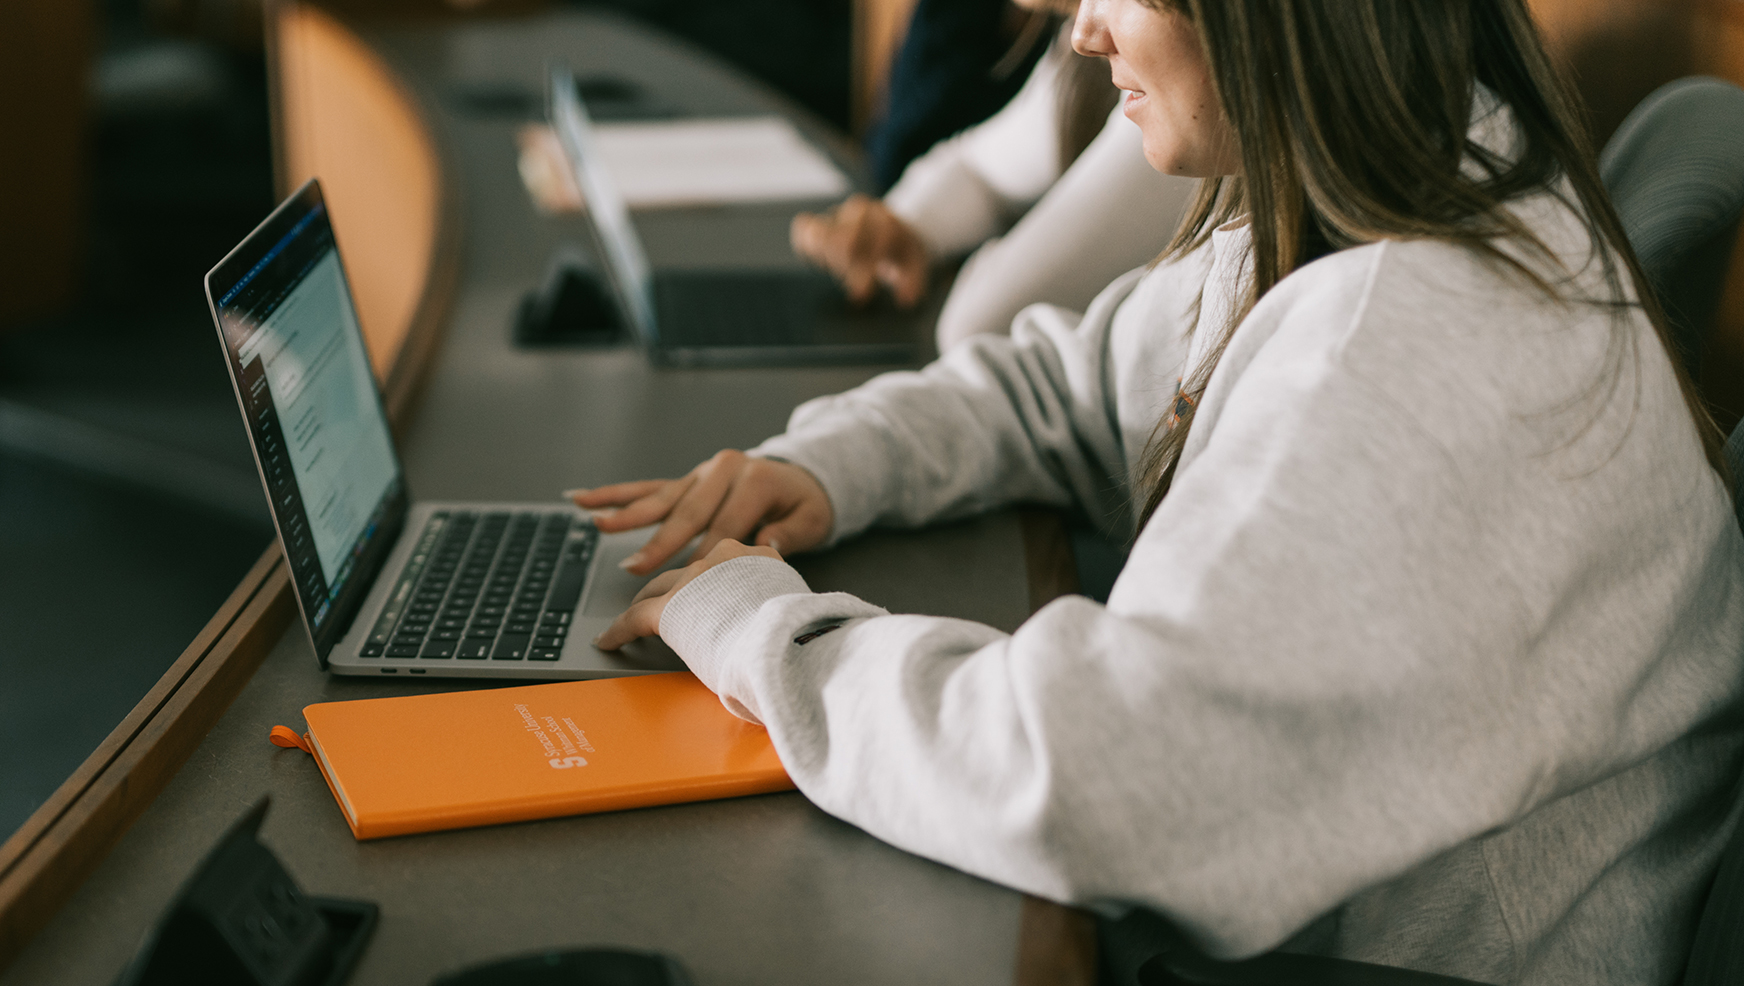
732	495
864	244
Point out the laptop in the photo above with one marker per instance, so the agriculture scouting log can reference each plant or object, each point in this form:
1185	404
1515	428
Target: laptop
387	585
736	313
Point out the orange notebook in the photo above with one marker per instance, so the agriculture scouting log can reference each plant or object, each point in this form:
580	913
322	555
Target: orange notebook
423	763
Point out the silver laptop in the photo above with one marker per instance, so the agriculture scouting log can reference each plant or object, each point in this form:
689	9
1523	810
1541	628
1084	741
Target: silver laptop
387	585
738	311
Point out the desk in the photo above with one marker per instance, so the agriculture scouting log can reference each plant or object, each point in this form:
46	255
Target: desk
753	890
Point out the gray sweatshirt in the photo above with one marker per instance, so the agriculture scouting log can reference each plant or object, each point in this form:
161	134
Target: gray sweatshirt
1431	656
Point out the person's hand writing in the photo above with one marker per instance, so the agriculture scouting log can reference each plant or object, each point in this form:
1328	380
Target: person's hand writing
642	619
864	244
732	495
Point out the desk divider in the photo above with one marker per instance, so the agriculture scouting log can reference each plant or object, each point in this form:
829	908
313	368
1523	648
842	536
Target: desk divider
64	840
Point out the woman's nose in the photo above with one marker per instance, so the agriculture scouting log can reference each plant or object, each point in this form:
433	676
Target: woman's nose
1090	29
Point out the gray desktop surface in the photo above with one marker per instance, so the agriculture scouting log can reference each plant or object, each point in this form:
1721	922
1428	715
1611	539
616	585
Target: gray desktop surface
753	890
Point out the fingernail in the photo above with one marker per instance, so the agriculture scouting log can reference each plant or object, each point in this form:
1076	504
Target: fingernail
631	562
604	513
572	494
776	545
597	638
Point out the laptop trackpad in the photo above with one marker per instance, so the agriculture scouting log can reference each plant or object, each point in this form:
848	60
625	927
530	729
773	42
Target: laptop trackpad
613	591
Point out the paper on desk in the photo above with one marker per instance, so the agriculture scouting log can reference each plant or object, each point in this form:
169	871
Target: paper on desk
713	161
663	163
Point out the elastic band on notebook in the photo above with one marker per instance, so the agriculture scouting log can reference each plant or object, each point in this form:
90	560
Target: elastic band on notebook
287	737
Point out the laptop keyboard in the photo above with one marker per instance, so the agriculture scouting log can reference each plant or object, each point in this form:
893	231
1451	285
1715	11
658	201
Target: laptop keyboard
487	586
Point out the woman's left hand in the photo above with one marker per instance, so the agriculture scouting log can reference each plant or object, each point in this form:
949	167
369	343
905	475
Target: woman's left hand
642	619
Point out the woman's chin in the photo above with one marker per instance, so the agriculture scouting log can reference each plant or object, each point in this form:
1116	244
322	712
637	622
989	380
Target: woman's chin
1170	158
1167	161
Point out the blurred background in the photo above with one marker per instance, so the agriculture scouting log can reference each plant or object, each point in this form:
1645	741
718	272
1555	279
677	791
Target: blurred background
136	149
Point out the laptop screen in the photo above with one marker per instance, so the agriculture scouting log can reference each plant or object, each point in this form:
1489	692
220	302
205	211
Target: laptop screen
320	436
607	212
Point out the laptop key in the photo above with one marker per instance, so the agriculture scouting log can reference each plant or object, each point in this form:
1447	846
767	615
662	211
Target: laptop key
566	587
511	647
372	650
473	650
403	650
539	642
544	654
438	648
482	633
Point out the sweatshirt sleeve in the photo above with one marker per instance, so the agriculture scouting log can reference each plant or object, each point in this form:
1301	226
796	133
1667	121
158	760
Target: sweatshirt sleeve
1030	418
971	186
1347	641
1110	212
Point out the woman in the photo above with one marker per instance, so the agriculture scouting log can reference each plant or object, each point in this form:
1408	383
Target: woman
1427	651
1051	193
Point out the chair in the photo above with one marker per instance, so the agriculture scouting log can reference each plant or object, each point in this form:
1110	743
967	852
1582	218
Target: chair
1717	958
1675	170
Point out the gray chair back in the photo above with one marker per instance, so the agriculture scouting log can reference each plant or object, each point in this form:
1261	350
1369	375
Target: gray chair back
1675	170
1735	462
1718	956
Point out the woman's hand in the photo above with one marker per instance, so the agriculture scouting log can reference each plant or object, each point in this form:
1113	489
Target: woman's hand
864	244
642	619
760	501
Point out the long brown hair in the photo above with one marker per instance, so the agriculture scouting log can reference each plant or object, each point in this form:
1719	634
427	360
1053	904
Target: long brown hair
1352	118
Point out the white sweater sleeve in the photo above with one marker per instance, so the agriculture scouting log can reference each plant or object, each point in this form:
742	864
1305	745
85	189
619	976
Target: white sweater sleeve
1368	623
969	187
1109	213
1022	419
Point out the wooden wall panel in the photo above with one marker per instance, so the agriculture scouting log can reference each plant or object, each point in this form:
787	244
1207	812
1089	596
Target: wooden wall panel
344	118
1618	50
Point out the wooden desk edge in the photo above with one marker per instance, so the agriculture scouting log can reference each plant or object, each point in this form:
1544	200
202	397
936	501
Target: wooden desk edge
64	840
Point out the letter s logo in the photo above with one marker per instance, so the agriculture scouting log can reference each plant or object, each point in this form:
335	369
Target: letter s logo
567	762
